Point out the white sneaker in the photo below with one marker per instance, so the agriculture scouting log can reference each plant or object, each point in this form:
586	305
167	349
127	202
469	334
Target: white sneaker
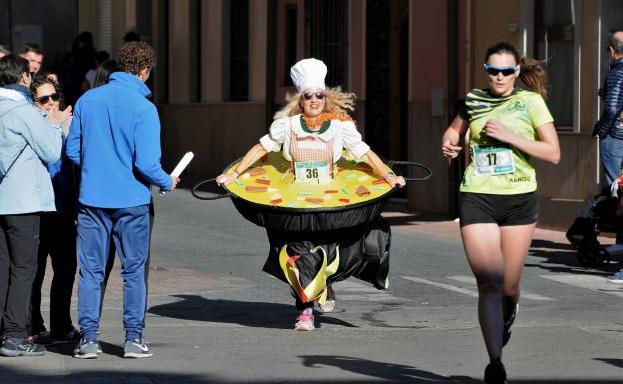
136	348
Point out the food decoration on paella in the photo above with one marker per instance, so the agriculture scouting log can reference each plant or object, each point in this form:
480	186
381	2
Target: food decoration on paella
271	181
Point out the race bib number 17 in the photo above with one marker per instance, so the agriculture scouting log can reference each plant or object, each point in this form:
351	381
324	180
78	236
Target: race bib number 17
494	159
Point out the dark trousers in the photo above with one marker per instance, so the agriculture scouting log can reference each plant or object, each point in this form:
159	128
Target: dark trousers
19	239
58	239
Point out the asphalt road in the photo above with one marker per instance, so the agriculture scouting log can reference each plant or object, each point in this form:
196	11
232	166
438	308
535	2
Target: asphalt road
214	317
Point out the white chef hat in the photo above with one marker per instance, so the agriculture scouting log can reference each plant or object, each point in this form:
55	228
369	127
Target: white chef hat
308	73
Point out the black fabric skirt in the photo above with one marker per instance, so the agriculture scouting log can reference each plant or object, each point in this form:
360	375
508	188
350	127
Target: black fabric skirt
310	261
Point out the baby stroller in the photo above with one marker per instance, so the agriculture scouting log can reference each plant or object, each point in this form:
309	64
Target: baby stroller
599	215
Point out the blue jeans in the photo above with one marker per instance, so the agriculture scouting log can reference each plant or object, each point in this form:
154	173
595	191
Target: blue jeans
129	228
611	156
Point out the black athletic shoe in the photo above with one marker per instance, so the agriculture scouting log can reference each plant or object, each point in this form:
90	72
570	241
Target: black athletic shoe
72	336
20	346
495	373
508	324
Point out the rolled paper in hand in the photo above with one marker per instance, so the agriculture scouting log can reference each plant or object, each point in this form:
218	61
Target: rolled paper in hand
180	167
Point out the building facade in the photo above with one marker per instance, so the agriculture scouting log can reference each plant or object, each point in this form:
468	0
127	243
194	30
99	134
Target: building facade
224	69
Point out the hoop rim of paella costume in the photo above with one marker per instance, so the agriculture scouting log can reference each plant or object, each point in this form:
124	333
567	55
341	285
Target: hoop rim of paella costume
299	219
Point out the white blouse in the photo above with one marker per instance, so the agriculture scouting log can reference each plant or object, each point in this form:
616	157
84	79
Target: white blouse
343	133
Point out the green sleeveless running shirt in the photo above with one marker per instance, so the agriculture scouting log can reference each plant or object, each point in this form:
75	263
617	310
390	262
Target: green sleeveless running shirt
496	167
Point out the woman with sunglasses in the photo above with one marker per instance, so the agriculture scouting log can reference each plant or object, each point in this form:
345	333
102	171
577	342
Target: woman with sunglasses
499	206
314	125
57	232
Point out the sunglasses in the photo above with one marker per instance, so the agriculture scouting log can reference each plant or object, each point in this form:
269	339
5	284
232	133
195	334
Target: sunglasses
506	71
45	99
309	95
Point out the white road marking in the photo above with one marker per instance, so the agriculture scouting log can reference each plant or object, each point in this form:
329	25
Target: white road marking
354	291
377	297
591	282
354	286
467	291
453	288
524	294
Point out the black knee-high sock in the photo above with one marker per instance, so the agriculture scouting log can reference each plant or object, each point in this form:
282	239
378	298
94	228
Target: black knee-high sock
491	320
508	307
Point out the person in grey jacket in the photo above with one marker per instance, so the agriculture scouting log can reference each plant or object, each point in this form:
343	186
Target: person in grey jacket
28	139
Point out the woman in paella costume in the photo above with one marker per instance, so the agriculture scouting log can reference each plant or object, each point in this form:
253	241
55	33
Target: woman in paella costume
313	131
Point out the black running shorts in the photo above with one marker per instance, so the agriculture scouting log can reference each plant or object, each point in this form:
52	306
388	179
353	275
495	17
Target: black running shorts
500	209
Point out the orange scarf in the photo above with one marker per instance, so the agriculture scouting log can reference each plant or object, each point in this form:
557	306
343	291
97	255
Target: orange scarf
316	122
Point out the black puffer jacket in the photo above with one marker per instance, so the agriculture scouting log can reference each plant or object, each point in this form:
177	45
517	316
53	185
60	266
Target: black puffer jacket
609	123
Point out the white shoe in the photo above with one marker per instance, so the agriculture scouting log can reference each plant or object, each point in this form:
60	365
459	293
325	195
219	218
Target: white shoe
328	306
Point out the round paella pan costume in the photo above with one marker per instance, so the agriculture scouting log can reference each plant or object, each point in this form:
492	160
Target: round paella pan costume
320	199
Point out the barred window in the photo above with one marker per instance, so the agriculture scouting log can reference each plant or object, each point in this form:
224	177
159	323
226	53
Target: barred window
239	50
290	37
326	37
555	30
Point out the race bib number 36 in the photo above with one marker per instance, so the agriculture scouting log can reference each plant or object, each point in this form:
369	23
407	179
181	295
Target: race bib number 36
493	159
311	172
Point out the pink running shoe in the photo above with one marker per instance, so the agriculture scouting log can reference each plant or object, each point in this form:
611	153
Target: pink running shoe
305	321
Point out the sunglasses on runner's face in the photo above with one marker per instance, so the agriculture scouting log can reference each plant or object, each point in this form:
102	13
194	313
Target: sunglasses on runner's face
45	99
309	95
506	71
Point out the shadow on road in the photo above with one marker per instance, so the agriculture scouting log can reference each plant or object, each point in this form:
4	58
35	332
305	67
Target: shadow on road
105	376
387	371
614	362
68	349
562	258
265	315
378	371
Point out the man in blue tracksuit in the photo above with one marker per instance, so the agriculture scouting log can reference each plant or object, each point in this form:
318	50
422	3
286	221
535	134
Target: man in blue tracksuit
115	139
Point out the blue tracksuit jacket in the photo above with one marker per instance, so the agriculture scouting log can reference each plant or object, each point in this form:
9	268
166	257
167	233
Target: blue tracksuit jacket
115	139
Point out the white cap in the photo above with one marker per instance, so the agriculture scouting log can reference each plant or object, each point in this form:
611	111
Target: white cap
308	73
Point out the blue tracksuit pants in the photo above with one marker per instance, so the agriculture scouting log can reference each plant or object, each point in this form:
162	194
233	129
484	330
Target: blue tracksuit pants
129	228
